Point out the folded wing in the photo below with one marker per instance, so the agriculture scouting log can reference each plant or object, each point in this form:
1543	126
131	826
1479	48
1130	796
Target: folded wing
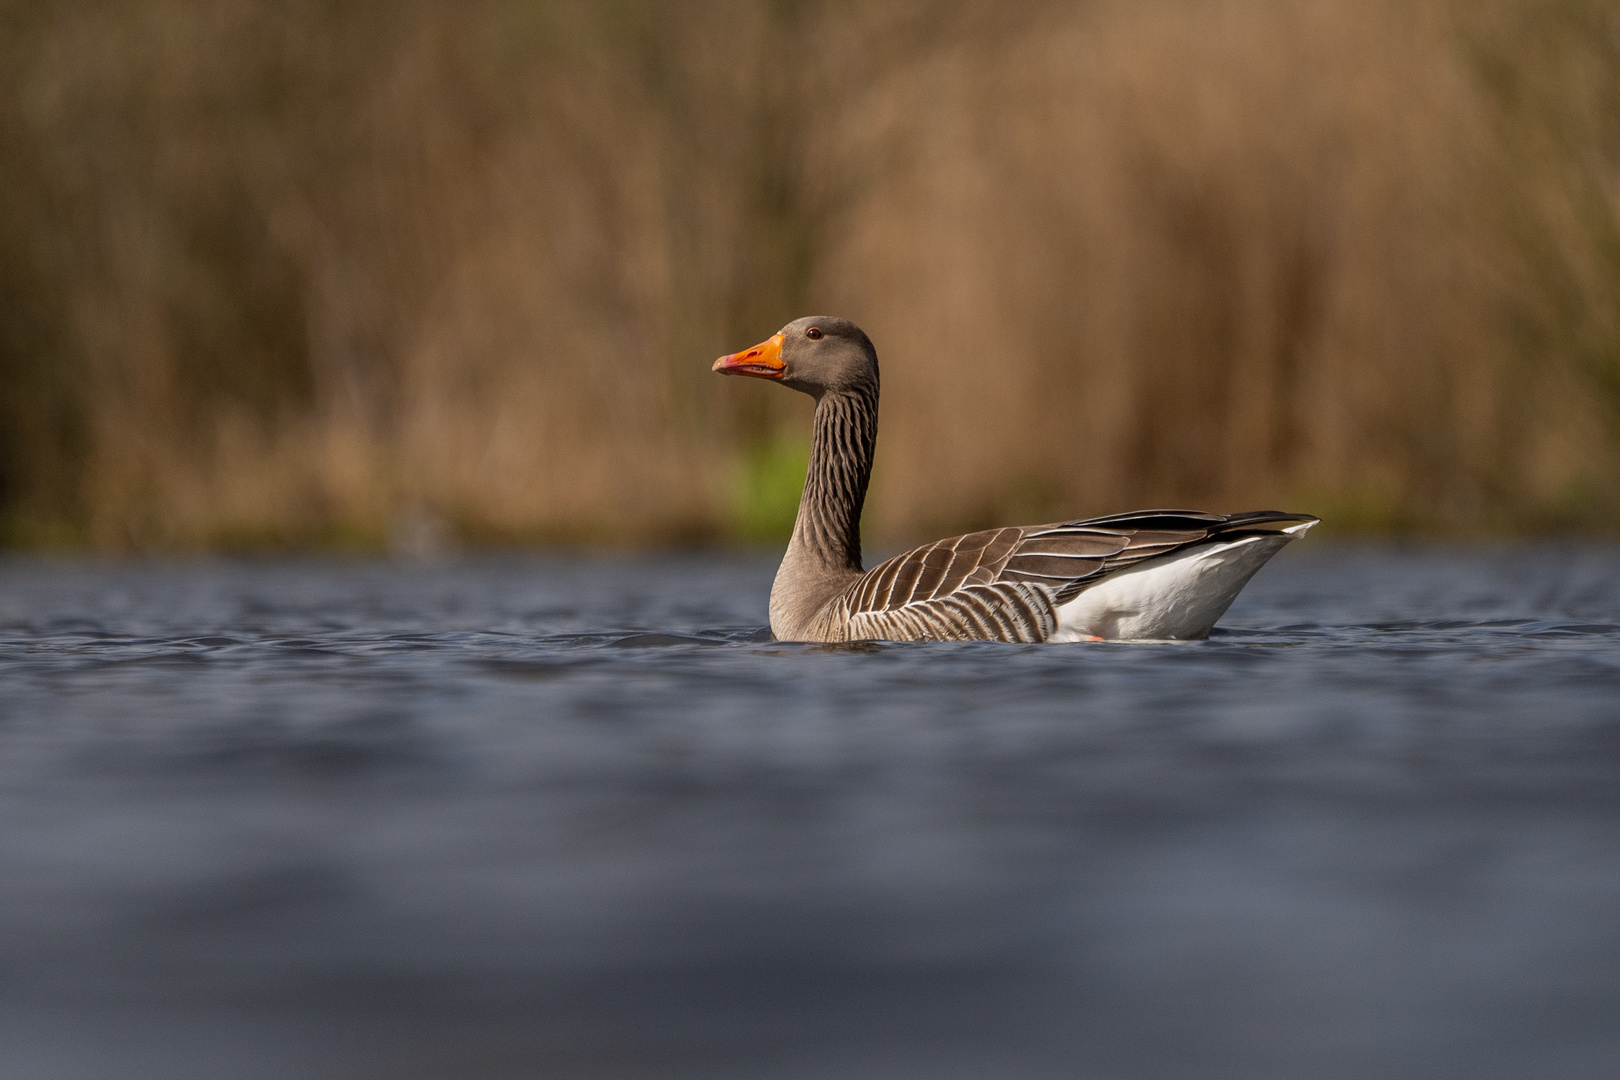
1006	584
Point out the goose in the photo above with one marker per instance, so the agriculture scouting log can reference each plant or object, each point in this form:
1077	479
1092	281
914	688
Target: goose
1148	575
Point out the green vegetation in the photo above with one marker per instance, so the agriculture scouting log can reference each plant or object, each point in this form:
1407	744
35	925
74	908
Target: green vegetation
765	490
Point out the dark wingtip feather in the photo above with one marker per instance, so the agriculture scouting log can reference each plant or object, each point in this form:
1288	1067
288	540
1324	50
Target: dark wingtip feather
1259	520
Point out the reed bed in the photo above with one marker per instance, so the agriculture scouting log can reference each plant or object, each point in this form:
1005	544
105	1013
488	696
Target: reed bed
370	274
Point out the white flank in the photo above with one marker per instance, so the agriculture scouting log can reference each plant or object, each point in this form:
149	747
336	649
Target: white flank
1174	598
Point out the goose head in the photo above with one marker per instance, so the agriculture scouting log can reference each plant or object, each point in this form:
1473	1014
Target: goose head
813	355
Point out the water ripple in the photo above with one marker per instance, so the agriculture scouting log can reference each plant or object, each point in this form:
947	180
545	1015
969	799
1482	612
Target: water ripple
586	818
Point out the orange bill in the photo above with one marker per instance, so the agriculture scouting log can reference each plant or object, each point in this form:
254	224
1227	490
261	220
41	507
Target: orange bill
763	361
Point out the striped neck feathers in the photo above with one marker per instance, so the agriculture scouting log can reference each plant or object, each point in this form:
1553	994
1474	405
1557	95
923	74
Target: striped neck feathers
827	533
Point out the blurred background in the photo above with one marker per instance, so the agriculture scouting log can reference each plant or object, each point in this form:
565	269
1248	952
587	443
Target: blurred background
391	274
413	277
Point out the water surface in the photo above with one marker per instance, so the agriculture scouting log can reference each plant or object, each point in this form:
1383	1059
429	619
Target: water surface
582	818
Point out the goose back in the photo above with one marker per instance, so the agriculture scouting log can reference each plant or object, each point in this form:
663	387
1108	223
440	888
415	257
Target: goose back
1008	584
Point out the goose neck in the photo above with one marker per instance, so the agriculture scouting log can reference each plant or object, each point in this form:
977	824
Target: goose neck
827	533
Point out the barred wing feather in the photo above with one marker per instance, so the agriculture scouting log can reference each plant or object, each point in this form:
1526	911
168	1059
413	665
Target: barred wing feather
1007	584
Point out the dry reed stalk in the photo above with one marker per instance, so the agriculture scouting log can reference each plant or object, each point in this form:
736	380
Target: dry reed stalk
294	273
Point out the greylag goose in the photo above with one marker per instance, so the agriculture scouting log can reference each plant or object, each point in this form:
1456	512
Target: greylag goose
1149	575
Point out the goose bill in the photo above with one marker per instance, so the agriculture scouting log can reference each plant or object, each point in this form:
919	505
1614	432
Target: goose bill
763	361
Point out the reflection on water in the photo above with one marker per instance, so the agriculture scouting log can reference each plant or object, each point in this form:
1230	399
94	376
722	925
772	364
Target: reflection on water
584	819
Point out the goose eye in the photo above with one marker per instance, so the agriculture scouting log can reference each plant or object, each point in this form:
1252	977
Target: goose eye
813	332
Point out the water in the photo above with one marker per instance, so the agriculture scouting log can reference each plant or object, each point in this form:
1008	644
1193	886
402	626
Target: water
581	818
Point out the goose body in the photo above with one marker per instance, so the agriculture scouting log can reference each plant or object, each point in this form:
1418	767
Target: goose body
1149	575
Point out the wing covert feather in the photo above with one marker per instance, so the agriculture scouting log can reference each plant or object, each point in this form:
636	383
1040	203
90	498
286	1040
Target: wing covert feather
1006	584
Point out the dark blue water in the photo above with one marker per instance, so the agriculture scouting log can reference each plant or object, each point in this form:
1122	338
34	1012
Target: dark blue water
580	818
